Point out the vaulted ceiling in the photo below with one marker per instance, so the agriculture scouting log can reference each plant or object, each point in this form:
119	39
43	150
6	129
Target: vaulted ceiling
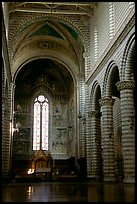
35	23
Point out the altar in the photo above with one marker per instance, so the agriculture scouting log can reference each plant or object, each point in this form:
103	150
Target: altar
42	164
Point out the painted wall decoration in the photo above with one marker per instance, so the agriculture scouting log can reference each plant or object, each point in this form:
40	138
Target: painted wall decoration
59	115
61	135
59	148
22	133
59	130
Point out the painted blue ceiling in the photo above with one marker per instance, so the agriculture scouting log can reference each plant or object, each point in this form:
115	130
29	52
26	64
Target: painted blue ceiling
46	30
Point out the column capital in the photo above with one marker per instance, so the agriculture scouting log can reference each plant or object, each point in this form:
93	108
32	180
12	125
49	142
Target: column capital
125	84
94	114
106	101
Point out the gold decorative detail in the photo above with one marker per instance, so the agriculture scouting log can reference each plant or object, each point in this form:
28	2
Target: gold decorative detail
42	161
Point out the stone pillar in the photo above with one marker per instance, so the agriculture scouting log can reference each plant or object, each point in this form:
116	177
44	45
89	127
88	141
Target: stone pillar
81	117
82	127
12	124
86	55
107	138
126	89
6	137
96	160
88	144
3	122
75	124
82	133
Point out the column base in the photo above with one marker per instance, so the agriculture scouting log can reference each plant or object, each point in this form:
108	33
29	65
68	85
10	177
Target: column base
109	179
95	178
129	180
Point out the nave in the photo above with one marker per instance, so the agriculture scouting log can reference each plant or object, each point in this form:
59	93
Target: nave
78	191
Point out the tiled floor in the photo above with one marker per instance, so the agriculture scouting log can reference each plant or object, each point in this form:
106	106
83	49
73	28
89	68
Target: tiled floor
68	192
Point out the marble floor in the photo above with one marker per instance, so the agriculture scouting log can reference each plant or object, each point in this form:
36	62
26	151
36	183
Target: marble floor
68	192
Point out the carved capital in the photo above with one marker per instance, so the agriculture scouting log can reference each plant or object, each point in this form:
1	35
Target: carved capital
96	114
126	84
106	101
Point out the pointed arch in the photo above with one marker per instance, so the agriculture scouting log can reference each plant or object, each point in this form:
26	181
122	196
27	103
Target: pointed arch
40	122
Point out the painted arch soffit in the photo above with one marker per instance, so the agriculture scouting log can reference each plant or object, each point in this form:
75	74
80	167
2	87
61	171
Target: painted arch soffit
53	35
45	28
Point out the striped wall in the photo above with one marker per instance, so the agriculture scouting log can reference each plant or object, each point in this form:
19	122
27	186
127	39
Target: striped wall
121	12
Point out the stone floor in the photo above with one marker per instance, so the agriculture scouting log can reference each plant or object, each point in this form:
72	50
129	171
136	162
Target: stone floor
78	191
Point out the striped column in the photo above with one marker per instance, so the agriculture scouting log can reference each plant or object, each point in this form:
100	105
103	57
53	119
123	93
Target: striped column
86	56
88	131
88	145
82	128
6	138
76	125
82	136
3	123
96	159
107	139
12	91
82	117
126	89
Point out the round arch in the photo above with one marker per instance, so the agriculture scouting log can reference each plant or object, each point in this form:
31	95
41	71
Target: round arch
95	93
110	79
95	120
129	52
66	63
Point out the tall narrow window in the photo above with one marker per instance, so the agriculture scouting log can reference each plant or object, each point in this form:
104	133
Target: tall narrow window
95	39
111	20
40	123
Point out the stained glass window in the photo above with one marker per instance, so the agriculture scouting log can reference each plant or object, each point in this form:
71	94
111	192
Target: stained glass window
40	123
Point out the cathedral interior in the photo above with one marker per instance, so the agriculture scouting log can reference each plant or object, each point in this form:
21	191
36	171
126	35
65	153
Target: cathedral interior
68	94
